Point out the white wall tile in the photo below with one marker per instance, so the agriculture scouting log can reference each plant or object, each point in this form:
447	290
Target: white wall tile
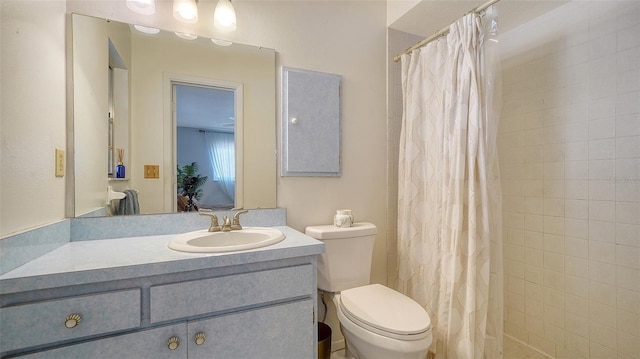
602	314
628	125
578	90
627	38
628	322
601	169
628	212
602	231
575	208
602	190
628	234
576	247
628	278
603	335
628	344
628	300
602	272
578	325
576	170
627	256
602	149
577	345
628	59
602	210
577	286
597	350
554	225
602	252
602	293
628	103
628	147
576	189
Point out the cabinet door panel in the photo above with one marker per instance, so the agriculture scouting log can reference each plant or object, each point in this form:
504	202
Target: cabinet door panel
146	344
280	331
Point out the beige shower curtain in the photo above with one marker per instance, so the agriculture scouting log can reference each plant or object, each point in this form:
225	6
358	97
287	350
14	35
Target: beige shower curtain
449	215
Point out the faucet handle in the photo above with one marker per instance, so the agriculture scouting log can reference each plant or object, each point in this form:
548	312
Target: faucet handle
236	220
214	226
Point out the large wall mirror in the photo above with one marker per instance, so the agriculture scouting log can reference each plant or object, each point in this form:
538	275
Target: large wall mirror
125	91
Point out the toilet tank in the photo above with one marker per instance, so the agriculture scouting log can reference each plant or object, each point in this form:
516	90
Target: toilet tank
346	262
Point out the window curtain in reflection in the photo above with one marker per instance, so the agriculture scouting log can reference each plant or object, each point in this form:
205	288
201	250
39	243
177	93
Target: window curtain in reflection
449	214
223	160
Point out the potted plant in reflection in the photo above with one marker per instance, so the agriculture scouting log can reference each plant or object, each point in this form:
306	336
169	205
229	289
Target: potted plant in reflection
189	186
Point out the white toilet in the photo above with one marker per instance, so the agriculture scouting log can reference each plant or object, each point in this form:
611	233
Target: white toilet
376	321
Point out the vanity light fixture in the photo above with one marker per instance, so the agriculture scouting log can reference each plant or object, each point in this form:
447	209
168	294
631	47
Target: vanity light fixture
184	35
186	10
221	42
142	7
224	17
147	30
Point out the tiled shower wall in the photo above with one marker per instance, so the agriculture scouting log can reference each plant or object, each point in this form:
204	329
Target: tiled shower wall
570	163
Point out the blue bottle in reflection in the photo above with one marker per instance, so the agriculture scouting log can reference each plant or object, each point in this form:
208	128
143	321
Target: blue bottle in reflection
120	170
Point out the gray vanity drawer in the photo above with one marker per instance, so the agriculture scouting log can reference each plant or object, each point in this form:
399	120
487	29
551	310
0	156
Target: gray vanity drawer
187	299
40	323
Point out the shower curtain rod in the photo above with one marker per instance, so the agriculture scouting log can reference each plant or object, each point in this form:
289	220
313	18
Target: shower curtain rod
441	32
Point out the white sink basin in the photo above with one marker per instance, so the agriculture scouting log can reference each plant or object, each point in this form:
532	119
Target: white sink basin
204	241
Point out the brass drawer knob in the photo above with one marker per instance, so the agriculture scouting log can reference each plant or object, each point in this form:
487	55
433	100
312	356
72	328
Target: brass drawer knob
72	321
173	343
200	338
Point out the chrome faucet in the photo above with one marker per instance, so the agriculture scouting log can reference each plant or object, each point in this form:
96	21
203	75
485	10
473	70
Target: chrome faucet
214	226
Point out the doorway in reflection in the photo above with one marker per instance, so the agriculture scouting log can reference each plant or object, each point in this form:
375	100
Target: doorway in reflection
205	146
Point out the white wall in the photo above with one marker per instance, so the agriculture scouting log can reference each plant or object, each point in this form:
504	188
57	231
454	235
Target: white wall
32	113
570	161
342	37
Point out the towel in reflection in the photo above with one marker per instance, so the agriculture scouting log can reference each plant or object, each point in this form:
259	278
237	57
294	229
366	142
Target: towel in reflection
129	204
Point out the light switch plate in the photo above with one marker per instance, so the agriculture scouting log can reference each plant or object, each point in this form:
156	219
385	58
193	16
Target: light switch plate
151	171
59	163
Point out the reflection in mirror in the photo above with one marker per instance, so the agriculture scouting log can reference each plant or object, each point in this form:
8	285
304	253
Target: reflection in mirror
141	112
205	121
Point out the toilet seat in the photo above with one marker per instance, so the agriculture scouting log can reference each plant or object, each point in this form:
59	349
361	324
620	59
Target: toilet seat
386	312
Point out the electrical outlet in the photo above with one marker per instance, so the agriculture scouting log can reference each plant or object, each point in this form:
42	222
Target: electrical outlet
59	163
151	171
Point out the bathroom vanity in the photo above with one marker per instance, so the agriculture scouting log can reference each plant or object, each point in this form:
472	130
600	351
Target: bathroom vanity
135	298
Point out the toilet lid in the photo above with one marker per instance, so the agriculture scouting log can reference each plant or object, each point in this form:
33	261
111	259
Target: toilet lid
384	309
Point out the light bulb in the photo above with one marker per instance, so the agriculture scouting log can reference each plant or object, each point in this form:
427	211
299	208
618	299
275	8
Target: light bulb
143	7
185	11
224	17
